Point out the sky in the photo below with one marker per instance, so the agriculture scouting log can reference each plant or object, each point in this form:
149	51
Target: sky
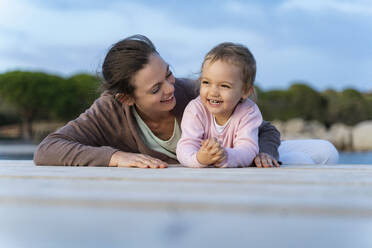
323	43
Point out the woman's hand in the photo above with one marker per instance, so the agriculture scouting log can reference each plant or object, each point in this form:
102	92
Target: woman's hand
265	160
210	152
127	159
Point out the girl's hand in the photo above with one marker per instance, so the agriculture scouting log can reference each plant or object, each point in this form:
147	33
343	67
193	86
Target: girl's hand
127	159
210	152
265	160
222	156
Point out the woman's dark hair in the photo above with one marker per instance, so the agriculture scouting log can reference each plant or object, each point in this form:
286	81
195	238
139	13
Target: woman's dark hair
123	61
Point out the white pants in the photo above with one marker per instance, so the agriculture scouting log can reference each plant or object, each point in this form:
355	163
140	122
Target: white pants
311	151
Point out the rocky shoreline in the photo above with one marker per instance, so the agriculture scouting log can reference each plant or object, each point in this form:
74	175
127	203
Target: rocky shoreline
345	138
356	138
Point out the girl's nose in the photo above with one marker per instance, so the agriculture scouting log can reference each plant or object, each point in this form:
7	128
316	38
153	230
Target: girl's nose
214	91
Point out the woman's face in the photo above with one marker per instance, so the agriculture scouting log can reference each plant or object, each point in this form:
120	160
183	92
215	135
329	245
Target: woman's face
154	88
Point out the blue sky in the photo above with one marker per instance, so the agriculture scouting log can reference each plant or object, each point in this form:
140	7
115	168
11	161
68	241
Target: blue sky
325	43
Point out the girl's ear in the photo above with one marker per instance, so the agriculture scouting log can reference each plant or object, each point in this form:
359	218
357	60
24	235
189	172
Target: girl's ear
124	99
247	91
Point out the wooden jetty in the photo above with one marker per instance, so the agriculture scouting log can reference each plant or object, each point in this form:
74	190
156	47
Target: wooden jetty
291	206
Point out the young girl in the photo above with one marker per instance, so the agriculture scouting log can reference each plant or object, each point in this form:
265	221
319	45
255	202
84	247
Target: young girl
220	127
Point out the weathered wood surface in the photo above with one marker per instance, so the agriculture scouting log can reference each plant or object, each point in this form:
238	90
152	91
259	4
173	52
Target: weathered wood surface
293	206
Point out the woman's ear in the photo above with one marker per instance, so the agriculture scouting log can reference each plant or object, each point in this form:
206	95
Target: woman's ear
124	99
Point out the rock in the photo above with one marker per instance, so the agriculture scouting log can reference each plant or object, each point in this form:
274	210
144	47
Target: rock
300	129
361	136
294	126
315	129
341	136
280	125
344	137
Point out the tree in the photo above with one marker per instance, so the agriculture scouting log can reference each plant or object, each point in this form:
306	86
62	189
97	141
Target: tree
368	98
349	107
77	93
30	93
275	104
333	108
307	103
7	115
354	107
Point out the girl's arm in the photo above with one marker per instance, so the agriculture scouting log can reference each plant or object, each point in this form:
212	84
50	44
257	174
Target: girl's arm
246	139
192	126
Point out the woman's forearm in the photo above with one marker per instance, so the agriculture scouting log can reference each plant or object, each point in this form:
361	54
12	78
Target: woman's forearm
269	139
57	149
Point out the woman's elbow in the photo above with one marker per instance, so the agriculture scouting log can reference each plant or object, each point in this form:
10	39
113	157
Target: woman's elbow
39	156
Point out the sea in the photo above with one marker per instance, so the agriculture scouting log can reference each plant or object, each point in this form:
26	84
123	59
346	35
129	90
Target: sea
355	158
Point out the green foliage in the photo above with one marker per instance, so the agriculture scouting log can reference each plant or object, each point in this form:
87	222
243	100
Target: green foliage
77	93
37	95
329	107
7	114
28	96
7	119
31	93
349	107
298	101
275	104
307	103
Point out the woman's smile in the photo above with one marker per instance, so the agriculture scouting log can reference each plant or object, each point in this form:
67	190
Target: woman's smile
170	99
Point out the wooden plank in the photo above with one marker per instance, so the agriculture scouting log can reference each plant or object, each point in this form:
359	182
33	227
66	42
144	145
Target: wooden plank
292	206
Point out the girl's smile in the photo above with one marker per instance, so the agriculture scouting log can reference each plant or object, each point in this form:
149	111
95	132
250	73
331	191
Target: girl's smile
214	103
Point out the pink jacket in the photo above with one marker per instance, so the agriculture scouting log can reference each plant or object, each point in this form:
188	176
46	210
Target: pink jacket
240	136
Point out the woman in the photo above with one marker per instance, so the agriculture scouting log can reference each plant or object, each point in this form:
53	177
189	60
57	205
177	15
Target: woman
135	122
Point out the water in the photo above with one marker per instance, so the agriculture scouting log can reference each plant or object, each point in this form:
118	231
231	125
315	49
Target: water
355	158
16	157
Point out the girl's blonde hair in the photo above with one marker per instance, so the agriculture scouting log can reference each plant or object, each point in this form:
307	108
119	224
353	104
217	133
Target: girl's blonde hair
236	54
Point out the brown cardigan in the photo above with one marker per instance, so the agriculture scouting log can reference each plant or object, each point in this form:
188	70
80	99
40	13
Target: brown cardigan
108	126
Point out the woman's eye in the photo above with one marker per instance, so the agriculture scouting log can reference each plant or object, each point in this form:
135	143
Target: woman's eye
205	82
155	90
169	74
225	86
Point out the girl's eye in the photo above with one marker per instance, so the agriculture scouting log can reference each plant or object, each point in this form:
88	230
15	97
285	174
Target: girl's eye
225	86
169	74
205	82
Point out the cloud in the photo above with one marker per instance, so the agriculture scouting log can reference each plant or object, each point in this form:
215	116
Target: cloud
346	7
71	37
57	26
287	45
247	10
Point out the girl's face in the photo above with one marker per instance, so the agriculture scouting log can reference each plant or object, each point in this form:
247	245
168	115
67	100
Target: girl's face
154	88
221	89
